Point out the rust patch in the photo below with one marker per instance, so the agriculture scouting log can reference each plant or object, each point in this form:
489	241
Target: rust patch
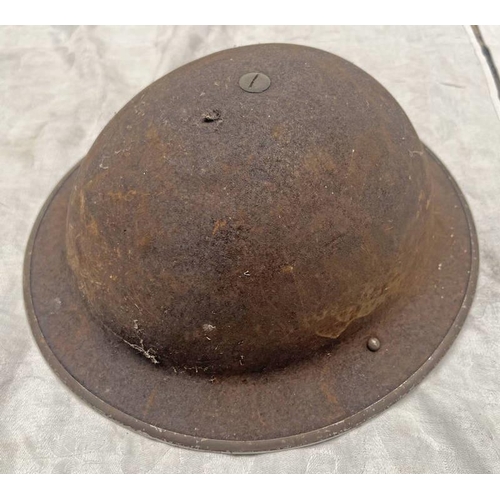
120	196
287	269
263	379
219	224
312	221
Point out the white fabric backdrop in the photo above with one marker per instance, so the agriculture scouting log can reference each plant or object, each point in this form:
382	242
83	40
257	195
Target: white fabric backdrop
58	88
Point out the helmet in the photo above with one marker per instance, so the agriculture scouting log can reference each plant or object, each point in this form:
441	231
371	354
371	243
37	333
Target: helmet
257	253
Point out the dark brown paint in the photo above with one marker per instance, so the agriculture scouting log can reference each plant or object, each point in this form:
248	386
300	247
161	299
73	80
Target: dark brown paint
294	280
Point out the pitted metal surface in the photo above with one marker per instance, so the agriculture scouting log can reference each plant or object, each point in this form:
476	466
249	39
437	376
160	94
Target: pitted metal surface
249	236
153	238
